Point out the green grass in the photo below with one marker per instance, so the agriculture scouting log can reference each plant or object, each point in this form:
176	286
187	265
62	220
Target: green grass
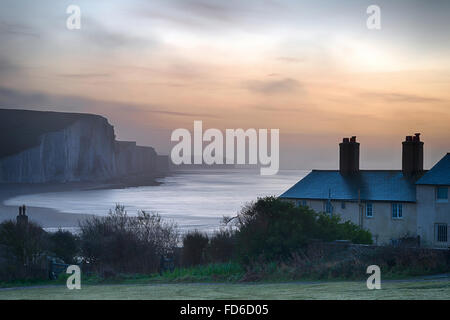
430	289
228	272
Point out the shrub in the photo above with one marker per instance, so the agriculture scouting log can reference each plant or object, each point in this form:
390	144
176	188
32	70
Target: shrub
221	246
272	229
22	251
194	248
408	261
120	243
64	245
332	228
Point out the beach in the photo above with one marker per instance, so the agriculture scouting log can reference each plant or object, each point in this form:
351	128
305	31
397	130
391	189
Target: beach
45	217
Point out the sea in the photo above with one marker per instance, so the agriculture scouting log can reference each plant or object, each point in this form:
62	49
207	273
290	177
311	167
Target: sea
194	200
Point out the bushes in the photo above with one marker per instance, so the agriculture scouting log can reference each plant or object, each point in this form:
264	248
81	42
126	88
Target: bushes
331	228
325	261
119	243
268	229
22	251
64	245
408	261
221	246
269	239
199	248
194	248
272	229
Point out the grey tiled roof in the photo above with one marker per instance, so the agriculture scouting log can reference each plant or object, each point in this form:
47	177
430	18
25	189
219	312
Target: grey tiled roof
439	174
374	185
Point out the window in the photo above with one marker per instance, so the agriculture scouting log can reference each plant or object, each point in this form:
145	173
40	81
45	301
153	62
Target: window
343	205
442	194
369	210
301	203
441	232
397	211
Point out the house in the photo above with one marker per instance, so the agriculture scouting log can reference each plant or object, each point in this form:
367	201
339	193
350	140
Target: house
391	204
433	207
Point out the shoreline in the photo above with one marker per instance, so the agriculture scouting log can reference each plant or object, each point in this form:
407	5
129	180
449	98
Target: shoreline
51	218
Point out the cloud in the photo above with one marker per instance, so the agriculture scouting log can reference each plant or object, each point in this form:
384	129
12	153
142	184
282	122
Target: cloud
11	98
17	30
290	59
105	37
296	109
224	11
174	71
209	15
273	86
6	66
399	97
84	75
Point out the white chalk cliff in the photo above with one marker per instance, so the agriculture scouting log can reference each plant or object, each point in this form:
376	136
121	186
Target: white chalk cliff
72	147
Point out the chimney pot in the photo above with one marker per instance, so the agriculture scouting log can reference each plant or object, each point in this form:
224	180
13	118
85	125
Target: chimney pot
417	137
22	218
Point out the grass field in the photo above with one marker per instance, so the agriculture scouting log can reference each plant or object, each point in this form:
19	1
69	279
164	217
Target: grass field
410	289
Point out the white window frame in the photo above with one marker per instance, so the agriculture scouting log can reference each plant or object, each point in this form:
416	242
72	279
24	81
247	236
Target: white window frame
369	204
441	238
398	210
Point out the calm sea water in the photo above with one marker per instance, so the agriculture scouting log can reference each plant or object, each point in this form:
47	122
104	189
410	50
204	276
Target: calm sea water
194	200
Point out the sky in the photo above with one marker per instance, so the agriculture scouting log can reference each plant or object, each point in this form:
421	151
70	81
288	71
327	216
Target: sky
311	69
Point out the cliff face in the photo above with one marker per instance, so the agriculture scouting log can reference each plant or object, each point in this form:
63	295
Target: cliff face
84	149
133	159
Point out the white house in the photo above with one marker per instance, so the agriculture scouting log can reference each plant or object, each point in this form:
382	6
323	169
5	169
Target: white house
433	207
391	204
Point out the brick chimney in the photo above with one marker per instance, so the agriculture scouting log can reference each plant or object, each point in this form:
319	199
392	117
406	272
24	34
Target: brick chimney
349	156
22	218
412	155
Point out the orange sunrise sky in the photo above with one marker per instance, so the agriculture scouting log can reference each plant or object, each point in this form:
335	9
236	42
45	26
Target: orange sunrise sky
309	68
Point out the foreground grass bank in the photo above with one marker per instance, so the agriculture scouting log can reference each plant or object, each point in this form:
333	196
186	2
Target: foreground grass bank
408	289
230	272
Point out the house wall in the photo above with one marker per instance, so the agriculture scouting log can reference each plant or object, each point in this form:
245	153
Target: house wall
430	212
383	227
